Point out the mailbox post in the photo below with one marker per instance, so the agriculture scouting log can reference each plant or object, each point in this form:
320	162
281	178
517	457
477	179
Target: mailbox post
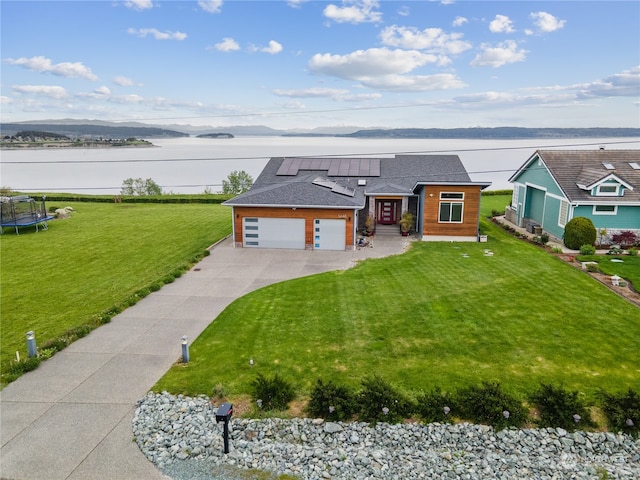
223	415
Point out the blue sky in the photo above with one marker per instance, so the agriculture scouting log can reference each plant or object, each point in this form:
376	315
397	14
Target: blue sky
306	64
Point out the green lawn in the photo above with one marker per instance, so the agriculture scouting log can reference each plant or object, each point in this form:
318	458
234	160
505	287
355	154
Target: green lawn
430	317
629	268
56	280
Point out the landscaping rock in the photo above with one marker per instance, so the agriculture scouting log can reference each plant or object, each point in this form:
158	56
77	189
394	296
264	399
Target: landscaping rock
180	436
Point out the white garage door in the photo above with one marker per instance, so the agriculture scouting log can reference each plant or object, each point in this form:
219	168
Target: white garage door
273	232
329	234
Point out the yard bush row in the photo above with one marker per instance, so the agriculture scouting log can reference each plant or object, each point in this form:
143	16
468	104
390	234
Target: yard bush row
488	403
201	198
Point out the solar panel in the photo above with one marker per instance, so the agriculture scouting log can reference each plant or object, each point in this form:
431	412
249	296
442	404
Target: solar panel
335	167
349	192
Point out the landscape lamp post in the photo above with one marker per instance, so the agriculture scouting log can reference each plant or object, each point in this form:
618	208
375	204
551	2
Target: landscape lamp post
31	344
185	350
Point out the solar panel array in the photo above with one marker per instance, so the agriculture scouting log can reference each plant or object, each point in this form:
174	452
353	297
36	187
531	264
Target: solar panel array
335	187
335	167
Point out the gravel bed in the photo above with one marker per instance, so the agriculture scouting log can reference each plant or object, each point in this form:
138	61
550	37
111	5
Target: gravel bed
180	436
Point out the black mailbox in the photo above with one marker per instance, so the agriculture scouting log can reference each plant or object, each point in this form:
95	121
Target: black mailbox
223	415
224	412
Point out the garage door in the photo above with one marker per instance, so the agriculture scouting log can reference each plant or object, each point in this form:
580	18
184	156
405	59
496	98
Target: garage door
329	234
273	232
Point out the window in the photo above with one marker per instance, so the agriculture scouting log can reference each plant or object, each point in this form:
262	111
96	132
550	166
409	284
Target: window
605	209
451	195
450	212
608	189
564	213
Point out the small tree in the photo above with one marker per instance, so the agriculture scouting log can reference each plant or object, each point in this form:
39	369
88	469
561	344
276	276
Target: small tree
237	182
579	231
140	187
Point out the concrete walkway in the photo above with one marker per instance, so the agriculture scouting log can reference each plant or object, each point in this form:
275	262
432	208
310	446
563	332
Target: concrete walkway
71	417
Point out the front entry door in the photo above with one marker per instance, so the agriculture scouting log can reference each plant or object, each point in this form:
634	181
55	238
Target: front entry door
387	212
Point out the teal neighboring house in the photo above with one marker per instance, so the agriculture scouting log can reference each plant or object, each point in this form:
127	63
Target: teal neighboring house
554	186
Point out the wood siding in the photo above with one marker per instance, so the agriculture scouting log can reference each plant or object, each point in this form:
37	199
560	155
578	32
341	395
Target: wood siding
470	213
309	214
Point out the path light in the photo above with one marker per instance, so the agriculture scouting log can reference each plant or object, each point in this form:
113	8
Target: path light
385	410
31	344
506	414
629	422
185	350
446	410
615	281
331	409
251	361
259	402
577	418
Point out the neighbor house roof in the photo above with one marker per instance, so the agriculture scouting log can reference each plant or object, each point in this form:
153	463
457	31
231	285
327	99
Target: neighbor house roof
576	172
345	182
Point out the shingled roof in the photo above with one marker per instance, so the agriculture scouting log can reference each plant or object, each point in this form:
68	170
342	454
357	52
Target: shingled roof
344	182
576	171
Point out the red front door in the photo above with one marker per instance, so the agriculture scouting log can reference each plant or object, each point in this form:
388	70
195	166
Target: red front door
387	212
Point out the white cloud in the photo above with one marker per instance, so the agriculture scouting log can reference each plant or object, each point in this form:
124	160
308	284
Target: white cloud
139	4
354	11
124	81
5	100
227	45
311	93
367	63
502	54
43	90
273	48
625	84
103	90
431	39
211	6
157	34
414	83
64	69
545	22
501	24
459	21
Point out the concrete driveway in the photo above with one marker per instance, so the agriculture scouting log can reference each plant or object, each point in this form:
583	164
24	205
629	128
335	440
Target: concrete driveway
71	418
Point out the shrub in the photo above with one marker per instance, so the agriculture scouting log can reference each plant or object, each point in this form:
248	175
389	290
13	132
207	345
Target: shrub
560	408
489	404
544	238
274	393
378	401
587	250
622	412
632	252
579	231
331	401
435	406
625	238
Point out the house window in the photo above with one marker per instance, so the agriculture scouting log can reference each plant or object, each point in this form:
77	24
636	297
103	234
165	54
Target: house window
564	213
451	195
605	209
450	212
608	189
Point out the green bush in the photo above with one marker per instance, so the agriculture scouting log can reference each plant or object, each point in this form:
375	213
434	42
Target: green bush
378	401
331	401
560	408
579	231
633	251
489	404
272	393
622	412
587	250
435	406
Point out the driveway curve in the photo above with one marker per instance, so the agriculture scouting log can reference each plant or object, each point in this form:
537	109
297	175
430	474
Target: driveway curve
71	417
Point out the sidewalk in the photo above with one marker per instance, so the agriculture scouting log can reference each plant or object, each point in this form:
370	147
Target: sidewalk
71	417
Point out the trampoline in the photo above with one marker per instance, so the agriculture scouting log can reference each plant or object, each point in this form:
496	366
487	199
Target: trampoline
22	211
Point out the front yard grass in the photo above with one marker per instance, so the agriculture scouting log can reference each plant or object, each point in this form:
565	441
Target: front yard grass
628	268
67	277
442	314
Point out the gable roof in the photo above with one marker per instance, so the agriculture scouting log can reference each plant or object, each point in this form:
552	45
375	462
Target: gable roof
576	172
334	182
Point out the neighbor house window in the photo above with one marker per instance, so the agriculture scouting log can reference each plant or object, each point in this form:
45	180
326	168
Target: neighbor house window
607	189
564	213
605	209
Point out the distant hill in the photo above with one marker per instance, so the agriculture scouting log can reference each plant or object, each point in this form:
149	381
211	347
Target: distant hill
216	135
498	133
91	131
102	129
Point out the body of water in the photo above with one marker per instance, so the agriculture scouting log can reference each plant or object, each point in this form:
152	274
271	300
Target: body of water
191	165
